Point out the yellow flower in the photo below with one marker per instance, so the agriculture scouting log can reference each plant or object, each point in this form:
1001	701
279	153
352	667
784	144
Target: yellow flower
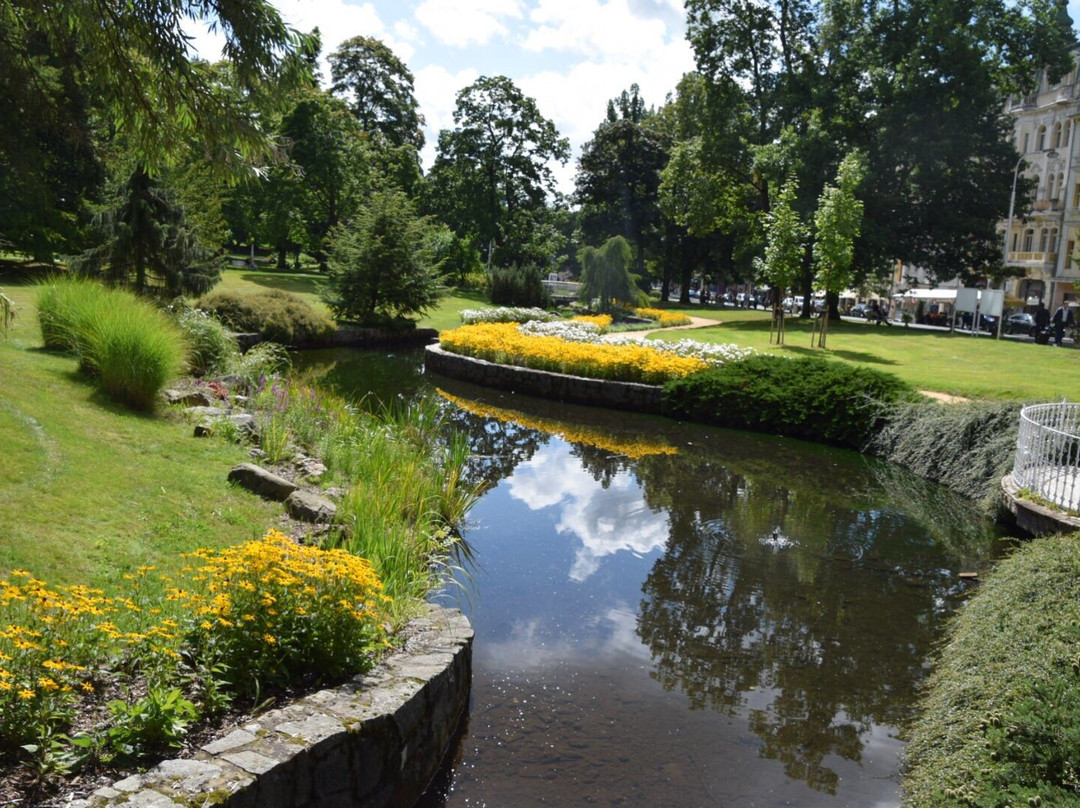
268	639
89	688
5	685
26	695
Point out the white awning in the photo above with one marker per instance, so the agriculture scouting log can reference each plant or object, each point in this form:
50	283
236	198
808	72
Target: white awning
927	294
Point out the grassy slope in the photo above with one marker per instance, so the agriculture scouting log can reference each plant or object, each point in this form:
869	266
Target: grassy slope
90	490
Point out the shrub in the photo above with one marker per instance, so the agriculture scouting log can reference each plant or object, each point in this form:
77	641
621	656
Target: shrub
967	447
506	314
999	719
518	286
62	303
278	316
811	399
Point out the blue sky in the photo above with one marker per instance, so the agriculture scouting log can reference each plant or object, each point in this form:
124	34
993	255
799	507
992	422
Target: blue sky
570	55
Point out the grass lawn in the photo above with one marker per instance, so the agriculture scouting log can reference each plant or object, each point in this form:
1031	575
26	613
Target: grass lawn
245	281
90	490
958	364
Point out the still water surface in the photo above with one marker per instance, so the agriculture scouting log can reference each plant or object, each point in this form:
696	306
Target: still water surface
669	615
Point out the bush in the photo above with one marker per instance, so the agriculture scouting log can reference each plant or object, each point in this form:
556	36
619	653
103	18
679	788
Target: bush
967	447
811	399
1000	717
278	316
131	347
518	286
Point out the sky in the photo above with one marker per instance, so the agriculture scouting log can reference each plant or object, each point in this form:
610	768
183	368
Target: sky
572	56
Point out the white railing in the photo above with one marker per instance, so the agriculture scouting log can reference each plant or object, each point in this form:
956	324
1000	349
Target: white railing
1048	453
562	288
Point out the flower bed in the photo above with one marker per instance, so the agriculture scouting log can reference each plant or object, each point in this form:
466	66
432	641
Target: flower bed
504	343
577	348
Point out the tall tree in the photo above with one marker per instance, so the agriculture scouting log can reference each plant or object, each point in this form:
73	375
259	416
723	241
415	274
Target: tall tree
378	88
492	177
618	184
149	245
837	223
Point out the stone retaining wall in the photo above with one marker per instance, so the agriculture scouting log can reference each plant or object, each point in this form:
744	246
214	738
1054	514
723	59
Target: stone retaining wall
1033	518
644	398
375	741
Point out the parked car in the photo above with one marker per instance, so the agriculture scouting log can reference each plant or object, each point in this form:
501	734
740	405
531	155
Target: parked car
1020	323
860	310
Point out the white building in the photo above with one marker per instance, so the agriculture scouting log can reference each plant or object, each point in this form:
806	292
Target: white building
1042	238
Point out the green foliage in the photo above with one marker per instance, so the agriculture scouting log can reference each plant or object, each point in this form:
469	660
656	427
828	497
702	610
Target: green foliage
812	399
606	278
148	244
520	286
155	723
999	720
837	223
130	347
273	314
7	313
384	266
967	447
379	90
785	240
259	363
213	350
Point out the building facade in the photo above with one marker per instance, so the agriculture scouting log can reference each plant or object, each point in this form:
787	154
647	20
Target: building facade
1042	238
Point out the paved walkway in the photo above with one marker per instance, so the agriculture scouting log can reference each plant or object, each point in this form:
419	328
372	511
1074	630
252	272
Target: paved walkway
695	322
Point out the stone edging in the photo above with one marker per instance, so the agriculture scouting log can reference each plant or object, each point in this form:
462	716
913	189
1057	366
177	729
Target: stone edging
374	741
644	398
1036	519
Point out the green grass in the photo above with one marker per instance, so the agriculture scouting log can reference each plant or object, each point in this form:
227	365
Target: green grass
958	364
304	284
92	490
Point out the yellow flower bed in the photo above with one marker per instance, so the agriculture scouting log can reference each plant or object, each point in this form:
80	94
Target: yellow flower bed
601	321
574	434
267	611
504	344
666	319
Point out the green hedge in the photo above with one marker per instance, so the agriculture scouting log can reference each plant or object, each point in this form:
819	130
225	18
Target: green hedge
807	398
999	721
278	316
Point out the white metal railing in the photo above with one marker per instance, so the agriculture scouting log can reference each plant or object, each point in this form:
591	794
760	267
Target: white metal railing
1048	453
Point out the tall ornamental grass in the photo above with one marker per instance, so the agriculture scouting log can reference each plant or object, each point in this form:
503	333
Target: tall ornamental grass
130	347
405	490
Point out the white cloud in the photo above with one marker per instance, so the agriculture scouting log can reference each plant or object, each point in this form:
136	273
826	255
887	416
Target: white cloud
593	28
436	91
605	520
462	23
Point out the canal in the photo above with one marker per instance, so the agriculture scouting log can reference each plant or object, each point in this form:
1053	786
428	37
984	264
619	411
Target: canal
672	615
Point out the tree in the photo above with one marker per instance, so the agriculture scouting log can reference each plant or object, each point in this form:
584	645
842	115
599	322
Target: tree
618	184
605	276
149	245
383	265
837	223
378	88
492	179
785	248
330	165
80	71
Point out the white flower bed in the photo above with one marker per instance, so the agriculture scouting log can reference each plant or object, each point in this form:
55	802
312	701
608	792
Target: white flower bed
506	314
569	330
579	331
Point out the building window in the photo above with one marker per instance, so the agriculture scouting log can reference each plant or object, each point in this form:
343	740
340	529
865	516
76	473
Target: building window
1024	150
1070	247
1060	186
1029	236
1068	131
1040	139
1043	236
1050	187
1054	240
1055	141
1016	238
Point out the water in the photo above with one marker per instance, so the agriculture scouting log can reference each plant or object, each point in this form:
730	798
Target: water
669	615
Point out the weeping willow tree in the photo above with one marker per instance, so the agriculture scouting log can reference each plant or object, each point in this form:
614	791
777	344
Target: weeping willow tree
148	244
785	246
606	277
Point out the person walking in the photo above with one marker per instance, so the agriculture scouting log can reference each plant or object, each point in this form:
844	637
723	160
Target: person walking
1042	318
1062	319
